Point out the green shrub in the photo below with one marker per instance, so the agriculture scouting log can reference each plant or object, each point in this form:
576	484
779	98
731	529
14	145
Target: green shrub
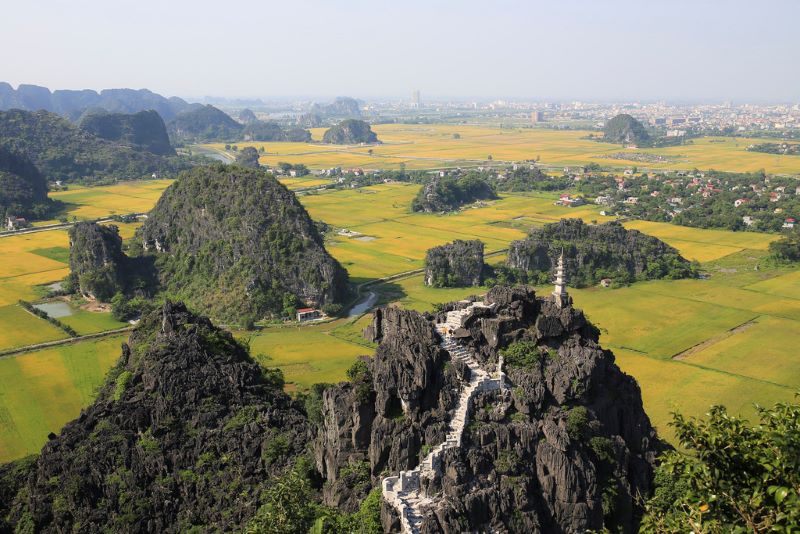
522	354
577	421
121	384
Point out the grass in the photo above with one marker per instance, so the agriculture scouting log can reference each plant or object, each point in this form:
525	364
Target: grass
41	391
87	322
310	354
121	198
18	328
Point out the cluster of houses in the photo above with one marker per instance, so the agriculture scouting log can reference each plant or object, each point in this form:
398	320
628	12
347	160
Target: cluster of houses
688	185
570	201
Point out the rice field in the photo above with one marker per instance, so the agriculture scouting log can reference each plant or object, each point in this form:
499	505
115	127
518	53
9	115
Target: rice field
40	391
98	202
421	146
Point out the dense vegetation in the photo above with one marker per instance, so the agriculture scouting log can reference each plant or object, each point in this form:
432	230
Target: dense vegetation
62	151
626	130
144	130
236	244
448	193
350	132
203	124
786	249
522	178
592	253
735	477
248	157
23	189
790	149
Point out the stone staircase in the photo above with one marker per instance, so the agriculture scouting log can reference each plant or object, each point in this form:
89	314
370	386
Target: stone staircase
404	492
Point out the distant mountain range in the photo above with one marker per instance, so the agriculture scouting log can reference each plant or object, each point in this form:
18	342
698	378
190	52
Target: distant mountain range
74	103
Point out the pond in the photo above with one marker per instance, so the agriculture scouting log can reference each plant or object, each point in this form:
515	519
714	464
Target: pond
55	309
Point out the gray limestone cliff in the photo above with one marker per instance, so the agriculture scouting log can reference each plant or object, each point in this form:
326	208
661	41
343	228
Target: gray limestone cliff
566	447
96	259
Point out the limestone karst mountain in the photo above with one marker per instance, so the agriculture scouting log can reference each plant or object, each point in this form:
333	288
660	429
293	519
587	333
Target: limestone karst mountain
186	433
236	244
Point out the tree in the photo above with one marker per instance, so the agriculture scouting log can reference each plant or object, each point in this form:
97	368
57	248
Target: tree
248	157
736	477
787	248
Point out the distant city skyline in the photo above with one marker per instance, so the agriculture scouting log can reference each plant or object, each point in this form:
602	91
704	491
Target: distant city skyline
610	51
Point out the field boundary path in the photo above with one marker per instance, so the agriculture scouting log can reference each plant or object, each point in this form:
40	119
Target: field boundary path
65	341
405	492
58	226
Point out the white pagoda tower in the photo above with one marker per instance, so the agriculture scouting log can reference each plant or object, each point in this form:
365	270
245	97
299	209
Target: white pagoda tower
560	292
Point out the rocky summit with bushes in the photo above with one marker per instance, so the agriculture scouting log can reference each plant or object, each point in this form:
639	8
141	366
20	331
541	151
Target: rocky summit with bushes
456	264
593	252
350	132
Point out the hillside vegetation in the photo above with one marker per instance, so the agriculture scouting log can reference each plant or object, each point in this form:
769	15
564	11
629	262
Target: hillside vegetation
236	244
144	129
448	193
62	151
626	130
23	189
350	132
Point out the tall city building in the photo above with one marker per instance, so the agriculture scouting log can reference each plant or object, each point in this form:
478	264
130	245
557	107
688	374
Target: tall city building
415	100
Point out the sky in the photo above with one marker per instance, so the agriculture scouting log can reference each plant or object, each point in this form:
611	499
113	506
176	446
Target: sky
603	50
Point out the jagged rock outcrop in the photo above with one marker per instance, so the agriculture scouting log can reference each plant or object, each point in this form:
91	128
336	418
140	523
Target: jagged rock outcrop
236	244
596	251
456	264
23	189
96	260
145	130
566	448
184	436
350	132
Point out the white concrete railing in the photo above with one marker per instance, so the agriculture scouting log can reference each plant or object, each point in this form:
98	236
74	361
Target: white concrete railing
404	492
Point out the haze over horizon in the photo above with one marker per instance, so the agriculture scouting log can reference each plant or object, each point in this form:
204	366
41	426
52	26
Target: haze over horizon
579	49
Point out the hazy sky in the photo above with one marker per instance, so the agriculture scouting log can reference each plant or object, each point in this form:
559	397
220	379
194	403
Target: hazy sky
554	49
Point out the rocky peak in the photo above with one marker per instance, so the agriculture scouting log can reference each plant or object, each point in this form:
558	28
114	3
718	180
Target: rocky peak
185	434
566	447
456	264
96	259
